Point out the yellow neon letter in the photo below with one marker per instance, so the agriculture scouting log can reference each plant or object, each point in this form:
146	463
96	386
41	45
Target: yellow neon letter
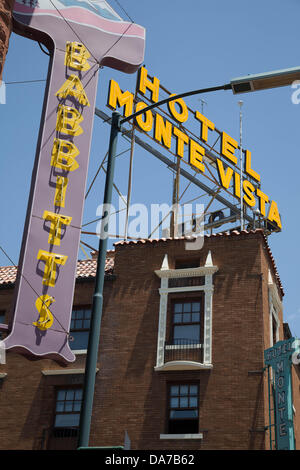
163	131
60	191
196	154
263	199
182	139
205	125
248	168
145	83
183	115
228	147
73	87
117	98
68	120
64	154
273	215
76	56
148	123
237	185
249	189
57	221
225	178
51	260
45	320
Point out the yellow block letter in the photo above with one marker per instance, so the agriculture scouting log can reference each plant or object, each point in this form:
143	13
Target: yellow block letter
57	221
73	87
225	177
182	139
273	215
117	98
228	147
60	191
145	83
248	168
68	121
163	131
64	154
206	124
51	260
196	154
76	56
148	123
183	115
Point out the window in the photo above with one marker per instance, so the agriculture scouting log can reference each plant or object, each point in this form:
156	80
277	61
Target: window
183	416
185	264
2	321
186	322
67	408
80	326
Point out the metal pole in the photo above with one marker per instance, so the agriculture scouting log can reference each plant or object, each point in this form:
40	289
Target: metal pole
241	164
96	315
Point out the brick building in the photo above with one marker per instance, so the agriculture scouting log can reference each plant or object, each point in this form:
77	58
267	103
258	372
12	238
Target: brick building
181	357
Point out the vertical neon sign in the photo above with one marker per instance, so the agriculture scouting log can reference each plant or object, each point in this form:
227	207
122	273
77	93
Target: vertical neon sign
81	36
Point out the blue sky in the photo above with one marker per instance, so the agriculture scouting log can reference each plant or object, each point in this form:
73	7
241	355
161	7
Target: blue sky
190	45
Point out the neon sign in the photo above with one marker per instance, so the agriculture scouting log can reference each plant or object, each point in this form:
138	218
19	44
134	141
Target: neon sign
81	36
165	133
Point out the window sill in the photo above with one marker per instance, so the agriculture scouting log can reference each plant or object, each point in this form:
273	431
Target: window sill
181	436
79	352
183	365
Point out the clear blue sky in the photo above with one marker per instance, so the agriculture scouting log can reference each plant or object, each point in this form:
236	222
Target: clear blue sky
190	45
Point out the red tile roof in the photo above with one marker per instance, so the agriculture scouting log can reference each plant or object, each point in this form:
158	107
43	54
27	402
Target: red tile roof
85	269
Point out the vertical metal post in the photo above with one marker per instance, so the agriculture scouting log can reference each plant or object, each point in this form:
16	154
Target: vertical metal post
96	315
241	169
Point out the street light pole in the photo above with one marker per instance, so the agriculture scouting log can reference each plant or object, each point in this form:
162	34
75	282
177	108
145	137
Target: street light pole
96	315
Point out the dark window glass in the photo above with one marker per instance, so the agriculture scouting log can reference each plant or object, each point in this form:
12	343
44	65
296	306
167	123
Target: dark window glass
80	326
186	322
67	409
183	415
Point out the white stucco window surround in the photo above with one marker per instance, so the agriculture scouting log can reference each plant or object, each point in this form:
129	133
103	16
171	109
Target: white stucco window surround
165	274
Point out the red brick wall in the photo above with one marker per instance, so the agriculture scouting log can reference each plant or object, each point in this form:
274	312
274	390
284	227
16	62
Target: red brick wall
129	394
132	396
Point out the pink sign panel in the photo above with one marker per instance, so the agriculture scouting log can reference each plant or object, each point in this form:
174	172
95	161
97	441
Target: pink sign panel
81	36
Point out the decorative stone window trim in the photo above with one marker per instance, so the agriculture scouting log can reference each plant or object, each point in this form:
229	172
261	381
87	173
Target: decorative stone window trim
165	274
181	436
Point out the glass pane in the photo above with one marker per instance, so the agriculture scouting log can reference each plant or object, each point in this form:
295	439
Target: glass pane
78	394
187	307
174	402
187	318
193	389
193	402
86	323
72	324
195	317
177	318
177	308
174	390
184	402
183	414
80	340
68	406
2	318
87	314
79	313
61	395
70	395
77	406
187	332
78	324
184	390
60	406
67	420
196	307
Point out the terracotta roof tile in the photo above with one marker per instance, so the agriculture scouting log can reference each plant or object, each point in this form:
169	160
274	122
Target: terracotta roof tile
85	269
